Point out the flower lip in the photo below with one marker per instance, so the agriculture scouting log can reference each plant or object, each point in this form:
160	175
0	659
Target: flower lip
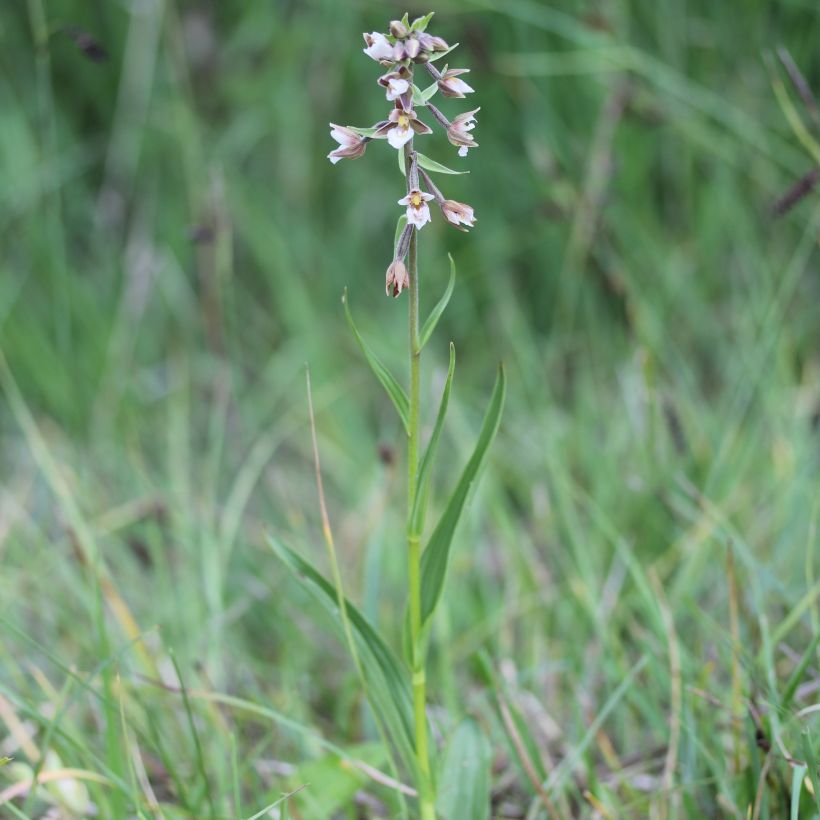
418	211
402	125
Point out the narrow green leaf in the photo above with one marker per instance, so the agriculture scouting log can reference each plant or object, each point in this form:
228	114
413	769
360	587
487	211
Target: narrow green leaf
386	681
439	54
428	460
436	556
405	21
418	96
400	223
393	388
435	314
429	92
464	787
436	167
400	155
4	761
421	23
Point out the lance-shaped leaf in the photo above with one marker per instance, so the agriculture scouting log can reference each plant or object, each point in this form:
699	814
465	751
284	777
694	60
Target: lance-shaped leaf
436	167
393	388
435	314
439	54
421	98
436	556
385	679
419	510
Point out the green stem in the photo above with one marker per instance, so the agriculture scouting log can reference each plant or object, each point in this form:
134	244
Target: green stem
426	791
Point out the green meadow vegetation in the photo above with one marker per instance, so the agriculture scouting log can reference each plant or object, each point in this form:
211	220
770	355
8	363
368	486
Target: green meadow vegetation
630	623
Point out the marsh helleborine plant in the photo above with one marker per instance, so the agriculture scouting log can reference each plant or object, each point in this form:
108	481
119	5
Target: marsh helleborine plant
405	52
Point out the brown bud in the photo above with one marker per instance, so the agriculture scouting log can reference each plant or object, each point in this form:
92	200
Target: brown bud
430	42
398	29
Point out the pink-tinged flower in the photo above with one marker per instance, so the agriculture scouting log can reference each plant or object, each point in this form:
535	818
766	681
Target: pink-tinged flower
459	129
418	211
450	84
458	214
397	278
396	83
378	46
351	144
401	126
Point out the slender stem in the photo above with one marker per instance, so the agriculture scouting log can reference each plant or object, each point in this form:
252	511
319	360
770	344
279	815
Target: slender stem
426	793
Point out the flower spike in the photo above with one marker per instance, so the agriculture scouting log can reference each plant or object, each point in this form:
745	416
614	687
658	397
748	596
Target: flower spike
402	48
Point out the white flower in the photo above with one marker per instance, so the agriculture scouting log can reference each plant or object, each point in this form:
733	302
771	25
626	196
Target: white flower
401	126
451	85
378	46
396	84
418	211
351	144
458	213
459	132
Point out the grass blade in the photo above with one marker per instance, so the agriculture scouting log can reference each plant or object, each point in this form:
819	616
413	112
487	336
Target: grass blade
428	459
388	382
436	556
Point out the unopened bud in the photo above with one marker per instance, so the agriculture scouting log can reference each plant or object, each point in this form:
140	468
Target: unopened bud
430	42
412	48
398	29
397	278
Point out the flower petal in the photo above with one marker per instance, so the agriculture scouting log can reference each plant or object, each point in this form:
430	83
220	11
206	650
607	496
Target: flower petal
399	137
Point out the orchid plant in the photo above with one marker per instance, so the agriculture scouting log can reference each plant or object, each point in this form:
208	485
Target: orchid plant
397	694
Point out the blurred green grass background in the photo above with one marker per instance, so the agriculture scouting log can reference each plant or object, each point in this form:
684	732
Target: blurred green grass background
632	611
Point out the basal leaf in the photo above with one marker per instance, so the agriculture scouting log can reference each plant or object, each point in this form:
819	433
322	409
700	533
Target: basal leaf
435	314
436	167
393	388
386	681
464	785
436	556
428	460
